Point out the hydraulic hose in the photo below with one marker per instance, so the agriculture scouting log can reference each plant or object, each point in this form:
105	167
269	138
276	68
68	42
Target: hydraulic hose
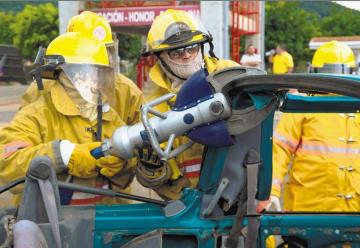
90	190
11	185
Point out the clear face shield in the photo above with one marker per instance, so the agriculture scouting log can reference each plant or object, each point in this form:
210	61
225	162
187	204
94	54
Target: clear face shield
95	83
334	69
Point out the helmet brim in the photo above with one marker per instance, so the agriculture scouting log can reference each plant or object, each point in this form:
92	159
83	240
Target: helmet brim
205	39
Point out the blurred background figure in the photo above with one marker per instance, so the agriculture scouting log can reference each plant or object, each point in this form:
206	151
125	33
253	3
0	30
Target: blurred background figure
251	58
282	61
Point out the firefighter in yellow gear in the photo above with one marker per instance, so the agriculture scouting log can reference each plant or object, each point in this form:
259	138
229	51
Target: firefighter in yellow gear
128	97
177	39
322	149
63	122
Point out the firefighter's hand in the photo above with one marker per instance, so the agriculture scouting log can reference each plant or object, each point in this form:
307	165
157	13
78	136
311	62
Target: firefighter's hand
151	171
172	189
110	166
78	159
273	201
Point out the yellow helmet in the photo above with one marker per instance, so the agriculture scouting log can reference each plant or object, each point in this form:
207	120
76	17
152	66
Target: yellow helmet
77	48
92	25
96	26
333	57
85	62
174	29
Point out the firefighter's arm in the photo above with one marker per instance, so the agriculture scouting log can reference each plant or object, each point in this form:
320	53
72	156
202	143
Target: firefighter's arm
20	142
286	139
132	99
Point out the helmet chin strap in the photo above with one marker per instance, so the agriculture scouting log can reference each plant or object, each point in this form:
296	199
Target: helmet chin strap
99	118
211	51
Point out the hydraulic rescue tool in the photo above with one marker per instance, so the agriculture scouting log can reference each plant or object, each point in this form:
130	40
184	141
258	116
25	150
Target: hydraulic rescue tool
166	126
189	116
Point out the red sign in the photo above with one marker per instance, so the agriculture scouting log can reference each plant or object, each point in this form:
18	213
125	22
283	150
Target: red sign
140	16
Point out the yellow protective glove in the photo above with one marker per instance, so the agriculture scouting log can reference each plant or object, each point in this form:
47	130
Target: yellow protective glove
110	166
151	171
172	190
82	163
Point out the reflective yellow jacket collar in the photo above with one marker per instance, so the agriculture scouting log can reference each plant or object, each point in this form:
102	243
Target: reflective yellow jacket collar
63	103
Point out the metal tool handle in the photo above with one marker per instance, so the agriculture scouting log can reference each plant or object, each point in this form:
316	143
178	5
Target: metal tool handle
167	153
222	186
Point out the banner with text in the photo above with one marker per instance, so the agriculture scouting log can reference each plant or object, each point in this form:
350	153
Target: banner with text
140	16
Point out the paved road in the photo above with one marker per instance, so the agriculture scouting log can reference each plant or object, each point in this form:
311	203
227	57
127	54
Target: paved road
10	101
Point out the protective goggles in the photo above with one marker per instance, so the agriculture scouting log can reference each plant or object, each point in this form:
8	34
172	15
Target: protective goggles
180	52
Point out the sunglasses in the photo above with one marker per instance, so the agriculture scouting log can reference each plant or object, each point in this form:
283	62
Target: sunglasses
180	52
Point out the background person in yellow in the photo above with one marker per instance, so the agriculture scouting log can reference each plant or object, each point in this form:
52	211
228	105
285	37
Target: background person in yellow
128	97
281	60
323	149
63	122
177	39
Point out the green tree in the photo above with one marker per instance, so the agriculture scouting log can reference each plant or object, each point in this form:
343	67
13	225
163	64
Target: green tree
287	23
130	47
6	34
33	27
341	22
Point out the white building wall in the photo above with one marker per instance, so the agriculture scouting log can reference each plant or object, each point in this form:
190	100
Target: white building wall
68	9
215	18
